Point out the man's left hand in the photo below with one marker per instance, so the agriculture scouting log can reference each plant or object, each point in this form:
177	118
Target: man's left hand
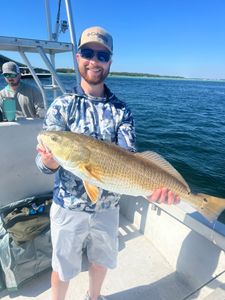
164	195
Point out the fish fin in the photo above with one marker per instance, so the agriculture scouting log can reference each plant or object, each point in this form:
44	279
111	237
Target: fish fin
160	161
211	207
91	172
92	191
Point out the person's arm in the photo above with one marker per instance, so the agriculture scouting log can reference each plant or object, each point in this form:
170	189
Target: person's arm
54	121
1	103
126	137
2	96
38	102
45	161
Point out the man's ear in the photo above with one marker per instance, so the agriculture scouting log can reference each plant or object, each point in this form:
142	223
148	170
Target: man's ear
77	56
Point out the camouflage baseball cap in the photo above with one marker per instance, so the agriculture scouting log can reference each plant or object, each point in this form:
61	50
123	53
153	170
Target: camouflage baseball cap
96	35
10	68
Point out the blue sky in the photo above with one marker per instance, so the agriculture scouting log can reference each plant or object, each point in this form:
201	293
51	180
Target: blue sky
165	37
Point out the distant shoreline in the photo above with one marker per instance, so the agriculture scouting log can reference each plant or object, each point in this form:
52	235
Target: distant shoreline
142	75
130	74
4	59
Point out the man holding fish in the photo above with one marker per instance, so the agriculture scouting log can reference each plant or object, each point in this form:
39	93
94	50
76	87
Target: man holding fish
82	214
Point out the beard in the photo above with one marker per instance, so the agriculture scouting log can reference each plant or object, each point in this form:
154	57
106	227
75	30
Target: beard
93	78
13	82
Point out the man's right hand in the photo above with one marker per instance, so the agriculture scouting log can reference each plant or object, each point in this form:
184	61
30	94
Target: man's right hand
47	157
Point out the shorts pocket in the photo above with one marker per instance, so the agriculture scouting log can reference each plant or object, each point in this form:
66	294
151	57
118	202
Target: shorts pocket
57	213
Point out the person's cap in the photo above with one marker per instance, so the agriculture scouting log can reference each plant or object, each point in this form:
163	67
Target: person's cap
10	68
96	35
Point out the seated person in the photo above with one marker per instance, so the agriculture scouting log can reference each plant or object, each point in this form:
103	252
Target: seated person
29	100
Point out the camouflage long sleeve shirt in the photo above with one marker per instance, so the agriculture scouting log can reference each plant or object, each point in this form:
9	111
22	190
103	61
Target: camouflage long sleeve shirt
107	119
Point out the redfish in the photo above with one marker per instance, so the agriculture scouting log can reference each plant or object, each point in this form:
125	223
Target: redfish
105	165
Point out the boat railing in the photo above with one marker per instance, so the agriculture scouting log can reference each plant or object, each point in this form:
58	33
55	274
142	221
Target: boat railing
47	49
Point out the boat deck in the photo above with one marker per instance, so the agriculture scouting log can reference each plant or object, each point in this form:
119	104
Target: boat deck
142	273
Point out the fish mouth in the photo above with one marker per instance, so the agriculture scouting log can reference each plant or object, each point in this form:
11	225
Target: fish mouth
40	142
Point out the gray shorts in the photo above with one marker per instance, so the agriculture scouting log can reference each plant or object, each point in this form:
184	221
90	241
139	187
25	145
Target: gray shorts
71	231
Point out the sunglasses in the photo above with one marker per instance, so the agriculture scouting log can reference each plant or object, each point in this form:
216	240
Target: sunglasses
10	75
102	56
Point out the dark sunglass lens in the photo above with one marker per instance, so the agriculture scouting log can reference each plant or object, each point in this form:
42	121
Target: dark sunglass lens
103	56
10	75
87	53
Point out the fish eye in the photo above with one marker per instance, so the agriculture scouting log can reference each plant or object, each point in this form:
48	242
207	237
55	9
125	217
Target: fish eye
54	138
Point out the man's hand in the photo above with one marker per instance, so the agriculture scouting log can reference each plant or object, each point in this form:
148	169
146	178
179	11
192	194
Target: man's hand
47	157
164	195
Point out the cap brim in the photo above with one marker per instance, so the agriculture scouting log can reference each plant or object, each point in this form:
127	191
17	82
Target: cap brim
10	72
94	42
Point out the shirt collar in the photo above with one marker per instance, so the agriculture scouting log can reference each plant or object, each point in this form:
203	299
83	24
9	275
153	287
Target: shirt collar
108	94
9	88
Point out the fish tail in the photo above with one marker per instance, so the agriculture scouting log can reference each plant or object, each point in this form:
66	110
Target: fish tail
210	207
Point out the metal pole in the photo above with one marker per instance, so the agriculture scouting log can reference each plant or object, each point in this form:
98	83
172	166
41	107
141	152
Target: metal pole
25	59
73	40
48	18
56	33
50	36
51	68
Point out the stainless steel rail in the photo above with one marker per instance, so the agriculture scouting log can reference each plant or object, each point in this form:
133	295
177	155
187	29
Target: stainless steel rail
50	47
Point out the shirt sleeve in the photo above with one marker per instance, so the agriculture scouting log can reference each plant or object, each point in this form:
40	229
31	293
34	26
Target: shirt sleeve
42	167
54	120
126	136
1	102
2	96
38	101
56	116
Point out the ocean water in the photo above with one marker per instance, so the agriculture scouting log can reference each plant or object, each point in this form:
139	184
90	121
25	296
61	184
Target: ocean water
183	120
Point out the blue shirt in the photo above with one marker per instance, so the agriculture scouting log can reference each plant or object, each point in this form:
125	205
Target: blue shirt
107	119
